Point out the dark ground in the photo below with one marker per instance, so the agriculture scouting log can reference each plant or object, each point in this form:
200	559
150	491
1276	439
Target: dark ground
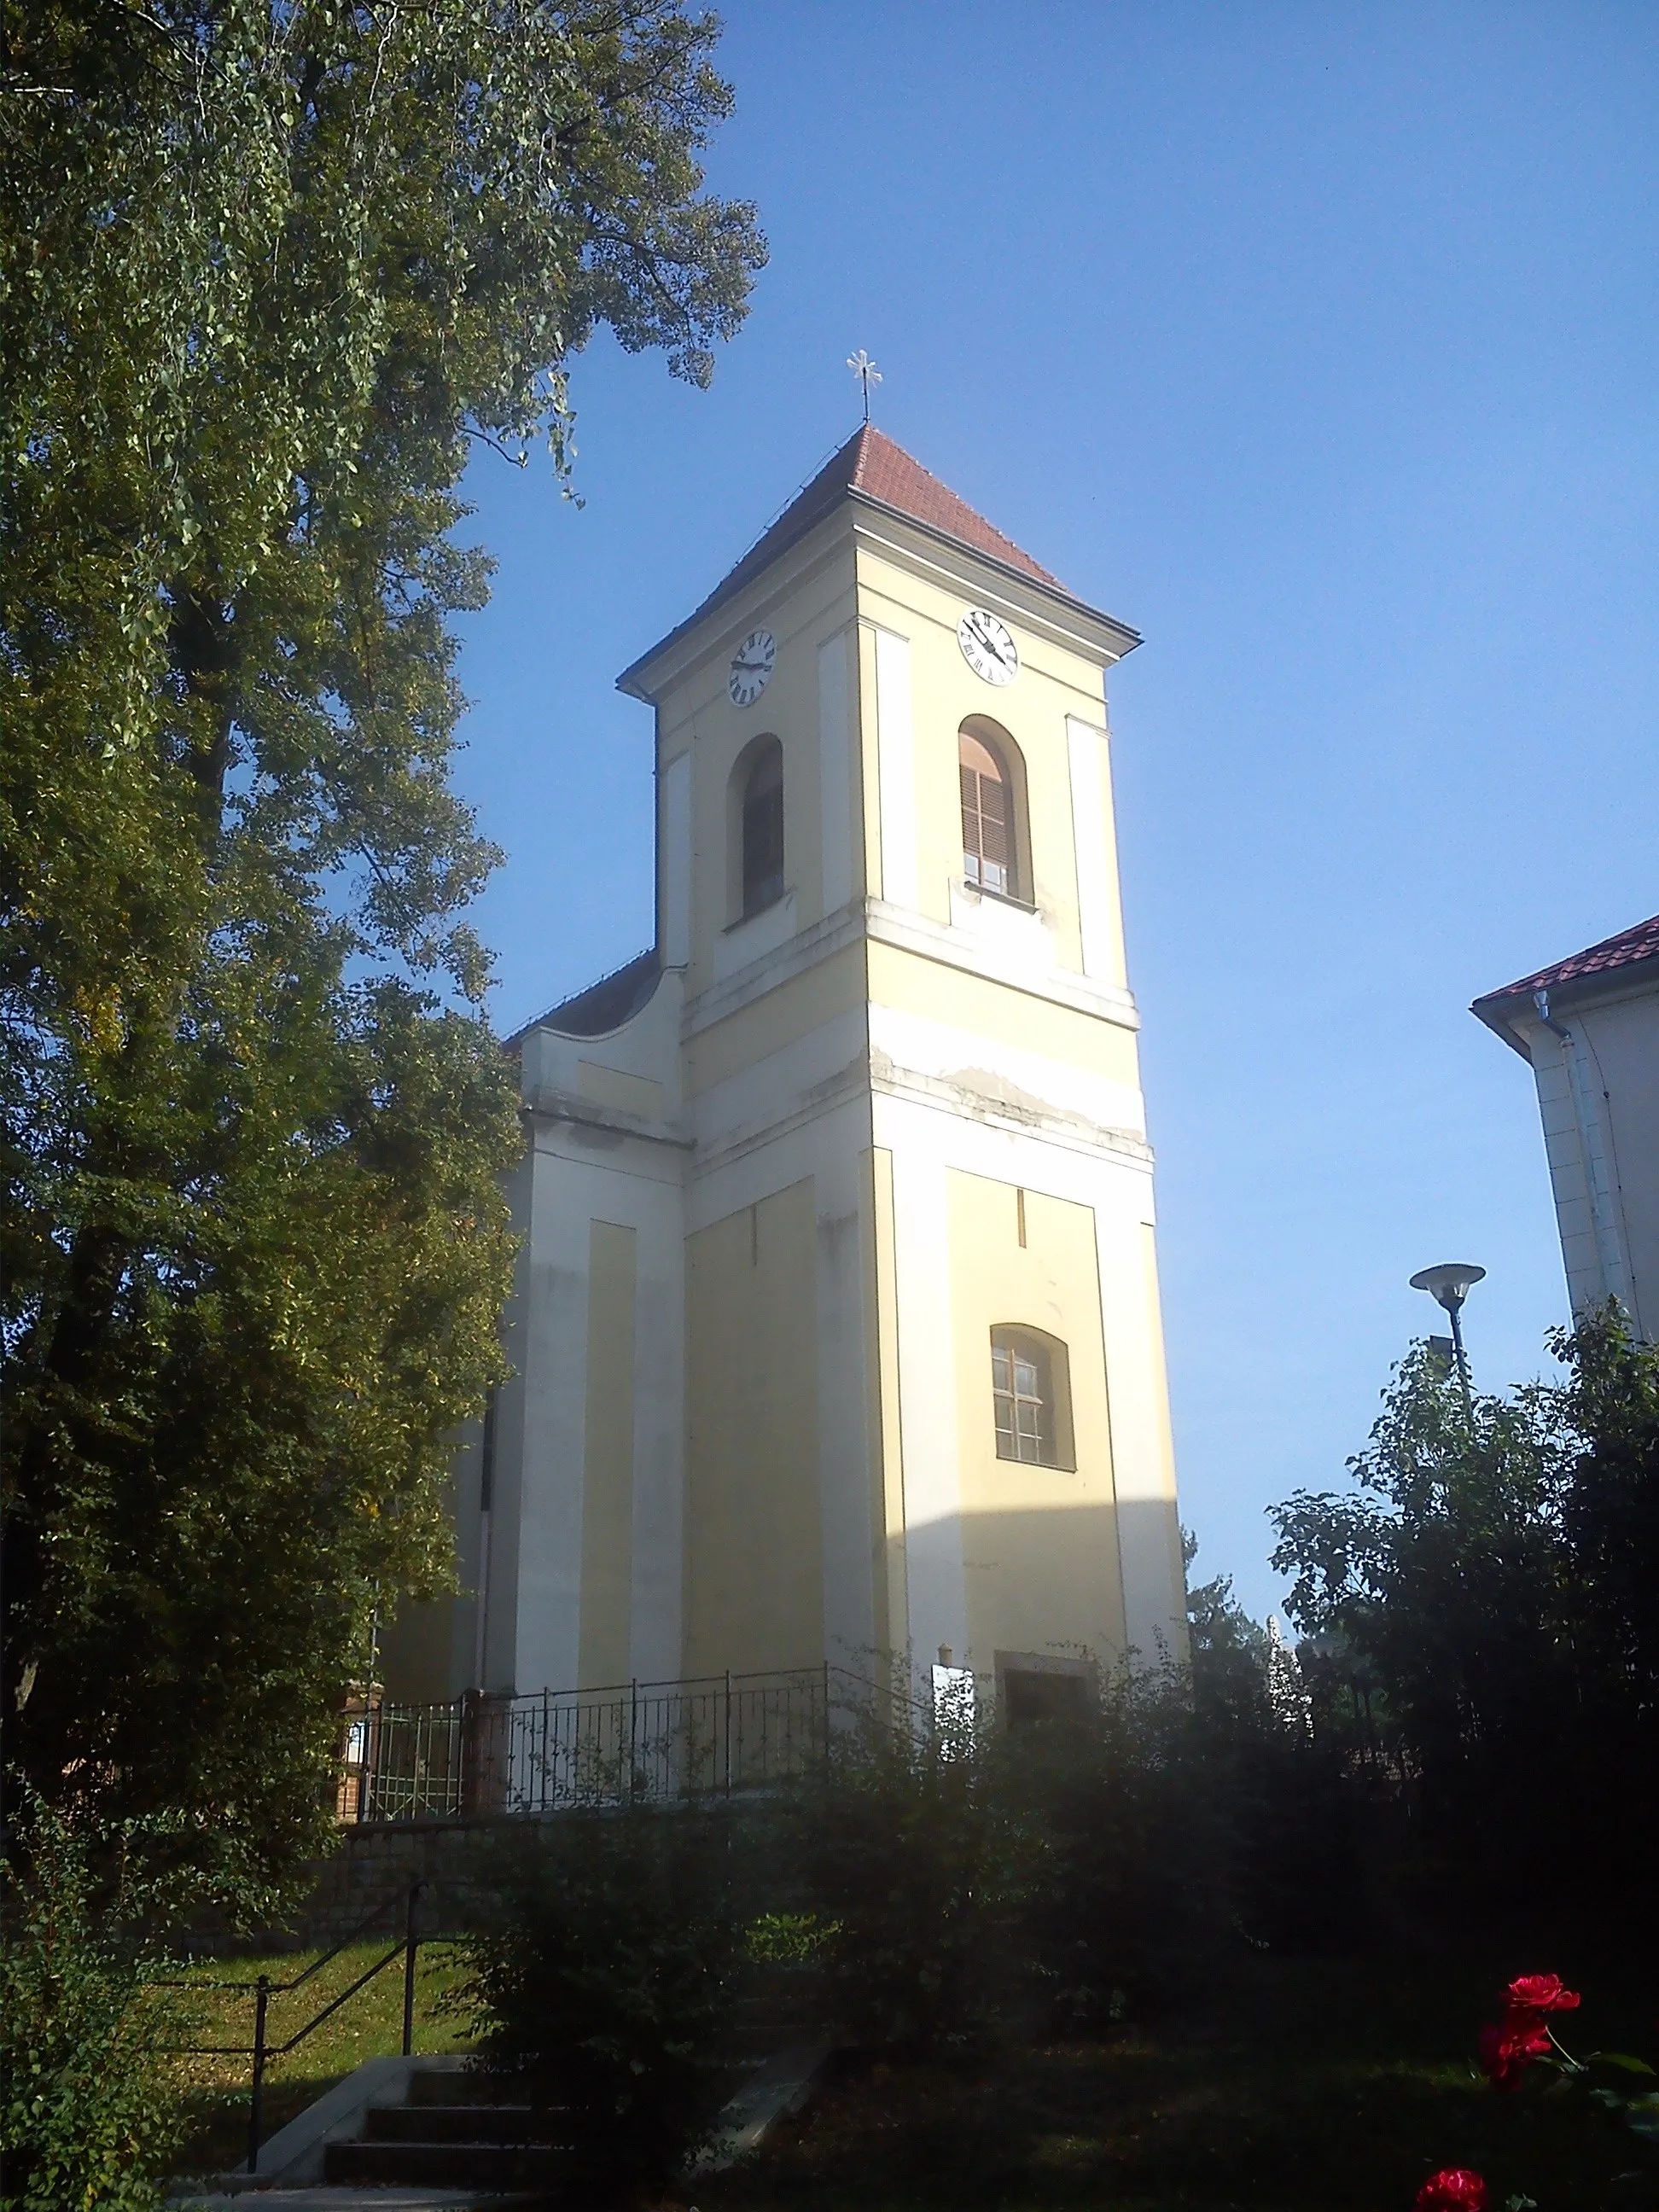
1285	2086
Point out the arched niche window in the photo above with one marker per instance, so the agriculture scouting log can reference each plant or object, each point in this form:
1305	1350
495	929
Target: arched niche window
988	764
760	825
1031	1395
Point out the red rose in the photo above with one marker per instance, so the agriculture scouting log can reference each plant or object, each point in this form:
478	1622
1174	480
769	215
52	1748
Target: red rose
1541	1993
1507	2051
1455	2190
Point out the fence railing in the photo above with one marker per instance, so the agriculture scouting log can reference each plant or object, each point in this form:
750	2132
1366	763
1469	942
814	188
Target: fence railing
405	1945
629	1743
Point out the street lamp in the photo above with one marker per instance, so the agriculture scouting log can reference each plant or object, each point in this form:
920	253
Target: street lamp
1448	1284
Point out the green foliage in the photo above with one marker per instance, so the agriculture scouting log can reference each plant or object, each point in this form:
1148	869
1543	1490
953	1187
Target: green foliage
270	272
1491	1584
85	2109
914	1866
608	1983
789	1939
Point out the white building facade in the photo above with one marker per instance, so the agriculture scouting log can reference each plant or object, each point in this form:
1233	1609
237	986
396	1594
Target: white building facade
1588	1028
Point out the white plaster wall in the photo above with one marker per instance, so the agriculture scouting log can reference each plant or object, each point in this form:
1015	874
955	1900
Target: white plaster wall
674	863
836	766
1598	1100
940	1051
1097	888
926	1389
582	1176
648	1045
897	770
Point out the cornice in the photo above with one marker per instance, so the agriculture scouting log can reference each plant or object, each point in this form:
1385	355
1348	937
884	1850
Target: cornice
908	933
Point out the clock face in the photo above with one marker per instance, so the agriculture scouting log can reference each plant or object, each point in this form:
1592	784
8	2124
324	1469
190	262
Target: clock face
752	667
988	648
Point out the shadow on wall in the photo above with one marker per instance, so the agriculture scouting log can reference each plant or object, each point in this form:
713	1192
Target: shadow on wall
1046	1581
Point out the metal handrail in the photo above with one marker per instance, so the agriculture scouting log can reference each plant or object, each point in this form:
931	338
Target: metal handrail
262	2051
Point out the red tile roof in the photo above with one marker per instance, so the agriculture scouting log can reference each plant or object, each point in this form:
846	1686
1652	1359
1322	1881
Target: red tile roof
885	472
871	468
1625	951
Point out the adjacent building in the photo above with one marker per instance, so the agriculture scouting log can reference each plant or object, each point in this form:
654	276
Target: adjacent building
1589	1027
836	1331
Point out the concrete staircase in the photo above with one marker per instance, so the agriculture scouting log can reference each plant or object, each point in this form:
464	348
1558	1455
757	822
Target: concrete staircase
429	2134
453	2132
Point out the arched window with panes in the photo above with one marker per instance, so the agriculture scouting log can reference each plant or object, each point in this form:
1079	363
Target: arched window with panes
991	824
1031	1397
761	825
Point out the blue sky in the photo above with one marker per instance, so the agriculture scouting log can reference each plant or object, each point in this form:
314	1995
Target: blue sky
1320	344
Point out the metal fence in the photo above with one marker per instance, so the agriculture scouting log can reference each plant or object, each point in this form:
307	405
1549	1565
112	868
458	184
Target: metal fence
630	1743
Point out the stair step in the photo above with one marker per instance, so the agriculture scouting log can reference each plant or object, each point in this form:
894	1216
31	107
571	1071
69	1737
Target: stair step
453	2124
462	2085
445	2165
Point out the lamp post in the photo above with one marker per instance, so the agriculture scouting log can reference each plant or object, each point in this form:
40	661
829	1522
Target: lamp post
1448	1284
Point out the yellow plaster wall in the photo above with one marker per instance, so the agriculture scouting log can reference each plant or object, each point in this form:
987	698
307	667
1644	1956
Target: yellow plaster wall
802	612
1053	683
1039	1544
608	1458
754	1549
781	1017
911	983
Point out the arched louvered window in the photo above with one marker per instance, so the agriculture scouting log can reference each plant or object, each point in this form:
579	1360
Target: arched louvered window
990	856
762	828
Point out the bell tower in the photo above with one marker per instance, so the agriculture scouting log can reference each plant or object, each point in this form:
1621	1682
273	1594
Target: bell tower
837	1330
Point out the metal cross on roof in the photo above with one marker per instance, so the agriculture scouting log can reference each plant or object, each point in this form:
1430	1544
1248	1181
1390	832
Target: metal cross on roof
866	373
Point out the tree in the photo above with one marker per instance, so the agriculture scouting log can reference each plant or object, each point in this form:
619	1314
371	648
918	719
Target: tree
273	269
1492	1577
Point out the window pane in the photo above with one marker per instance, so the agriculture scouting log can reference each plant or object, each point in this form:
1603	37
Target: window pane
988	841
763	849
974	753
1025	1406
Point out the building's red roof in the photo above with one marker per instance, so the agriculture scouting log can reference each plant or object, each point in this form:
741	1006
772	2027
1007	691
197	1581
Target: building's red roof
868	467
1625	951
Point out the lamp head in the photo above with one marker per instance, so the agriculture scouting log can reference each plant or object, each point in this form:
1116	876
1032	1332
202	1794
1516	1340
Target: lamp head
1449	1284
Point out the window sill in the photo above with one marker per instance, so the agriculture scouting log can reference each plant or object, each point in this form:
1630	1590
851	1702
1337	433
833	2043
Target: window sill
756	912
999	898
1047	1466
753	936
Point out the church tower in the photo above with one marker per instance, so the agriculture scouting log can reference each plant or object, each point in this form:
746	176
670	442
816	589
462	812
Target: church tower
836	1331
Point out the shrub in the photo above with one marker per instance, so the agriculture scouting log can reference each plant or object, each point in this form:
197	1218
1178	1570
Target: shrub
1134	1878
86	2108
913	1867
608	1981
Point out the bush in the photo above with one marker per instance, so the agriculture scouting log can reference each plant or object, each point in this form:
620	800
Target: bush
914	1866
86	2111
608	1983
1134	1875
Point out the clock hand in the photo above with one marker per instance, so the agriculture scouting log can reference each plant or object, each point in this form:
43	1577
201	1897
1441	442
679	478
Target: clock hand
990	644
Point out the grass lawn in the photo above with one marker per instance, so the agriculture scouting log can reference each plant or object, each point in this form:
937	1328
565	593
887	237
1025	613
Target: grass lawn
1293	2087
213	2092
